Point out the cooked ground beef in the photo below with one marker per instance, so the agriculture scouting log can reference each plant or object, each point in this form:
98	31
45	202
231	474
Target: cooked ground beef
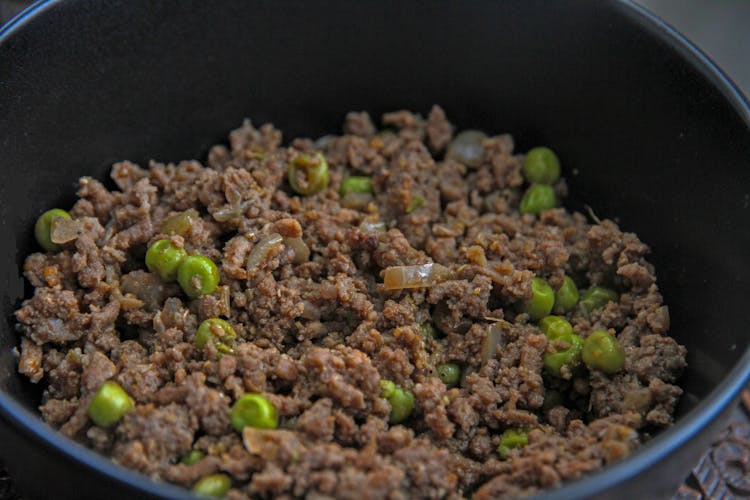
317	334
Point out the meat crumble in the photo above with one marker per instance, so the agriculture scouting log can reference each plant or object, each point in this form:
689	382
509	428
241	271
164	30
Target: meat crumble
385	322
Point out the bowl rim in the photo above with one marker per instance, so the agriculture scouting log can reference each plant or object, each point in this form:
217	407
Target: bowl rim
28	423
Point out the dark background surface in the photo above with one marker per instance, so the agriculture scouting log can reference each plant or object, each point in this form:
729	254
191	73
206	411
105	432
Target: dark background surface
719	27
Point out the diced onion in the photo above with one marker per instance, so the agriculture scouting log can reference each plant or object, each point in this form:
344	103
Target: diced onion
180	223
301	250
356	201
232	211
491	342
372	227
63	230
400	277
262	249
467	148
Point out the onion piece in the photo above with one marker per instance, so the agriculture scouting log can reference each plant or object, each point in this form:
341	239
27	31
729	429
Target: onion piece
232	211
180	223
262	249
491	342
373	227
467	148
356	201
400	277
322	143
301	250
63	230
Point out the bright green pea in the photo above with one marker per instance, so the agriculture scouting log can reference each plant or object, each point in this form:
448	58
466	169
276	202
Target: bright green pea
308	174
449	374
566	297
214	486
356	184
555	326
596	297
564	350
402	404
197	275
541	166
109	404
602	351
541	301
193	457
512	438
537	198
253	410
164	258
218	330
43	227
387	388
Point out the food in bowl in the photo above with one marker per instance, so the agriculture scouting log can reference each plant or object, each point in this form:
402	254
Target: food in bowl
396	312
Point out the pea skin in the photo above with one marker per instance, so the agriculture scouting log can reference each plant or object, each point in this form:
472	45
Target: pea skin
541	301
109	404
213	486
164	258
602	351
537	199
566	297
356	184
449	374
254	410
308	174
197	275
43	227
541	166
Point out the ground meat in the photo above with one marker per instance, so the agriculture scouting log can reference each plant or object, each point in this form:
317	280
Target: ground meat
317	335
30	362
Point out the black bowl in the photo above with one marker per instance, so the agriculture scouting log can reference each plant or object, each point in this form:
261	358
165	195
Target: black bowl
651	133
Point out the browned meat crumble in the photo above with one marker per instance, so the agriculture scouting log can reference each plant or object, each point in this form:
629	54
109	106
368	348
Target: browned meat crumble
316	337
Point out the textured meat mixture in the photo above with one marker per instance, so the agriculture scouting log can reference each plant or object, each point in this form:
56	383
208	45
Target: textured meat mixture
317	331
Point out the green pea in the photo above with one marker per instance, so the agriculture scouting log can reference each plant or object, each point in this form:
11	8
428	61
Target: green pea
193	457
387	388
414	203
43	227
564	350
602	351
537	198
164	258
541	166
541	301
356	184
180	223
596	297
197	275
214	486
109	404
429	331
218	330
449	374
308	174
402	404
253	410
555	326
512	438
566	297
